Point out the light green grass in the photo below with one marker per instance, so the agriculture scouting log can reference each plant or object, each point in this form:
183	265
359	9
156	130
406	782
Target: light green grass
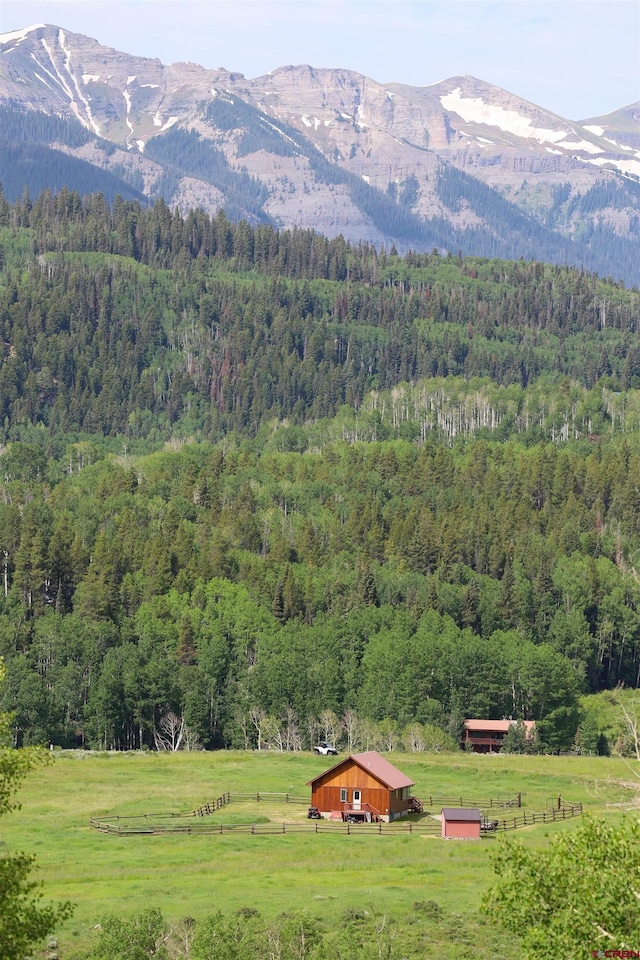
326	875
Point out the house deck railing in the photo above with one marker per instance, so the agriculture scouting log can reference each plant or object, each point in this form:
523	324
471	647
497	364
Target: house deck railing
347	809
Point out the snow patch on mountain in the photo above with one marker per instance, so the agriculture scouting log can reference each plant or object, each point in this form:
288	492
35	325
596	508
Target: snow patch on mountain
17	36
90	78
622	146
67	65
475	110
592	128
628	167
42	80
585	145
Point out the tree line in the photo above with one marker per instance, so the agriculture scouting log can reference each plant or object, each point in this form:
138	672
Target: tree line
337	525
253	592
139	321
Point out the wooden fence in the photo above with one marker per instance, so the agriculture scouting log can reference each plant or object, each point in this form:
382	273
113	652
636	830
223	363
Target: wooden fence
213	805
485	804
125	826
565	812
189	823
438	802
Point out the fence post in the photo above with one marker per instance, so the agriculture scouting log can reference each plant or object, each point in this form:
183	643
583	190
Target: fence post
283	828
253	828
519	799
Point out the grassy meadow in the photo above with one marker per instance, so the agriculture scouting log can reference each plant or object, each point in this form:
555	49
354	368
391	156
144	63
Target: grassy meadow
325	875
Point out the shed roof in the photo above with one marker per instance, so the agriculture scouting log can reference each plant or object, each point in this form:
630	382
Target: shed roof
497	726
377	766
468	814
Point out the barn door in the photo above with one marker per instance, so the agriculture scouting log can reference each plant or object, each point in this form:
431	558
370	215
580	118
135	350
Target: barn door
356	799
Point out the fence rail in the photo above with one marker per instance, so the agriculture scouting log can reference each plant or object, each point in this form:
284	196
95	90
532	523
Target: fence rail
485	804
213	805
124	827
130	826
270	797
566	812
261	797
199	822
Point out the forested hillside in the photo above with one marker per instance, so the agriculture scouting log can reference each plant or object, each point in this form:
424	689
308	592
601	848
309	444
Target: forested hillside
270	486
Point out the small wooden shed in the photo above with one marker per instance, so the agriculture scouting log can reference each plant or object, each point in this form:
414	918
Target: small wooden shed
461	823
363	786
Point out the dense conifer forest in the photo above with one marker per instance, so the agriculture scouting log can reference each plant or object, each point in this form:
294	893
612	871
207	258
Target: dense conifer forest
260	486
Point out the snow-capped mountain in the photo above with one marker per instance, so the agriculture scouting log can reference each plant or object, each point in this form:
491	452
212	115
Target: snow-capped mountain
459	164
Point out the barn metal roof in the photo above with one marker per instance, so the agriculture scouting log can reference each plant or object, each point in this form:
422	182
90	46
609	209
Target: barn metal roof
377	766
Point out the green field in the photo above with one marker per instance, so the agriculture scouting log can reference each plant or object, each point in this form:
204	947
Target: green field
324	875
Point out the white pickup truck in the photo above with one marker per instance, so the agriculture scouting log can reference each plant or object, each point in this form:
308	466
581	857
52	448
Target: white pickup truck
326	749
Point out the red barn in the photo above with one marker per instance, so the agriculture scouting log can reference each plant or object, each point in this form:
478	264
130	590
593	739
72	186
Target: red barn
364	786
461	823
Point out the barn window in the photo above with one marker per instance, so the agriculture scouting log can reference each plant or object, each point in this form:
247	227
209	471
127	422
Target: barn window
343	795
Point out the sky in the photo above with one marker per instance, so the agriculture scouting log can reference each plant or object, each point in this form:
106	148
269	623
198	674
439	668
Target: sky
577	58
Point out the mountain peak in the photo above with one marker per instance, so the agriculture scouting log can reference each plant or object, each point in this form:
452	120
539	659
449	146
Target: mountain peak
444	163
17	36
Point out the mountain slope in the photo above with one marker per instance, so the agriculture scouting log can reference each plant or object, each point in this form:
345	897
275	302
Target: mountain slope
459	164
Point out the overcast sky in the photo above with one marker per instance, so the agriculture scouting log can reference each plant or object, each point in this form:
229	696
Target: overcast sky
578	58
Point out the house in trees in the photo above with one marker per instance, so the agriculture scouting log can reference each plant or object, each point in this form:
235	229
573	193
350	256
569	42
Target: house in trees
487	736
365	787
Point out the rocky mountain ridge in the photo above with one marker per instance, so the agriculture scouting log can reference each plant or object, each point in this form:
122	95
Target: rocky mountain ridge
459	164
